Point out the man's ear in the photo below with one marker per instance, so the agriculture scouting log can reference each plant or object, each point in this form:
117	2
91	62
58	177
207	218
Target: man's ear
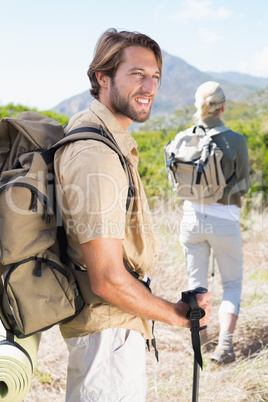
102	79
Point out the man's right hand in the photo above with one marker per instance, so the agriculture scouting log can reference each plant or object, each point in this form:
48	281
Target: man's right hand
203	302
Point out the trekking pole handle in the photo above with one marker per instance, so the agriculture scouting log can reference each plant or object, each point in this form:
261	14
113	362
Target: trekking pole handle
199	290
195	312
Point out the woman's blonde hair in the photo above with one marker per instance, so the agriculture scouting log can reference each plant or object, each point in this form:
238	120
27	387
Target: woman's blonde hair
209	99
109	53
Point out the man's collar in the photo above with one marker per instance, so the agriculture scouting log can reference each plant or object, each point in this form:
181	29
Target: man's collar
124	140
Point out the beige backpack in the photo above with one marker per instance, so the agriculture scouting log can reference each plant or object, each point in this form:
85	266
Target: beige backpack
193	163
37	287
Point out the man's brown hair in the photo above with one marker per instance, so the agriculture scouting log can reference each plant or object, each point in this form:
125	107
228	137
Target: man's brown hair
109	54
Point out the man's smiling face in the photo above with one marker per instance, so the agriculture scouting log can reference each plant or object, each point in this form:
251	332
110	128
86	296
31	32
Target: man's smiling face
133	89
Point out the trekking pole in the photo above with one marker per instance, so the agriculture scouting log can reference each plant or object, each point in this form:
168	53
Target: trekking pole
213	265
194	314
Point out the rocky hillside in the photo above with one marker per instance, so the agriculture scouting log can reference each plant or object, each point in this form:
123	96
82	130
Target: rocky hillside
179	83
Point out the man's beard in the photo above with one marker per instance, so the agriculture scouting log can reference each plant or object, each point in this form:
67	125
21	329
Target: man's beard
121	105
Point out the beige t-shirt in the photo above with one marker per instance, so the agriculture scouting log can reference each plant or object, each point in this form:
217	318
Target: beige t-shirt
92	188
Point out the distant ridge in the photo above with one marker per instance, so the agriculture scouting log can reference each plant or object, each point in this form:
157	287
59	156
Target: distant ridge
255	83
179	83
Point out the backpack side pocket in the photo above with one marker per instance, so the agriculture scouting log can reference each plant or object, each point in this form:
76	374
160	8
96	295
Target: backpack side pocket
49	295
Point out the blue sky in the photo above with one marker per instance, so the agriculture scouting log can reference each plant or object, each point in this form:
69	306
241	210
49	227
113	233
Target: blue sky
46	47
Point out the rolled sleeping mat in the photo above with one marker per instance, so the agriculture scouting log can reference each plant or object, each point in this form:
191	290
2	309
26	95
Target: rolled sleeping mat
17	360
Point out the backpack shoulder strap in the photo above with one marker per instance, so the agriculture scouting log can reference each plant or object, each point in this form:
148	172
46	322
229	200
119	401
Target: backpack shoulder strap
199	126
212	131
217	130
94	132
97	133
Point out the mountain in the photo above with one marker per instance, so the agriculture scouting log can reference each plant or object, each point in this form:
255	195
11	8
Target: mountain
179	83
252	82
74	104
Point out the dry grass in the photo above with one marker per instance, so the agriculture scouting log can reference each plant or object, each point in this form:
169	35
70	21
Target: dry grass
171	378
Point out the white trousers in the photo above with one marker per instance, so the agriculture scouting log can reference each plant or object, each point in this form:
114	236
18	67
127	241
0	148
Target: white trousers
108	366
198	234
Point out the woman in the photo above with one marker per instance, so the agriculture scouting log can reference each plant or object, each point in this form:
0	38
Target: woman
216	226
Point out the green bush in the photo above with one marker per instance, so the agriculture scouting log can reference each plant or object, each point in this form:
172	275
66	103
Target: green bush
13	111
152	165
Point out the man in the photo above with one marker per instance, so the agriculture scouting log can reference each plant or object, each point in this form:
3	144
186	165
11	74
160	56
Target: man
106	340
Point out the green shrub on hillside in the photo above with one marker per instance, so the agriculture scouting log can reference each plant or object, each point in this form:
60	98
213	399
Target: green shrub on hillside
152	165
256	133
238	111
12	110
